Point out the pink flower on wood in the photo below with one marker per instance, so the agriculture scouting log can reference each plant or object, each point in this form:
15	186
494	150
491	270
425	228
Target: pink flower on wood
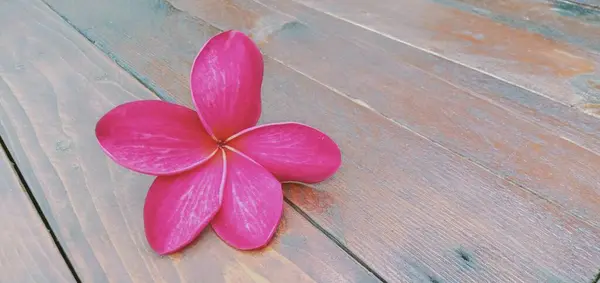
214	165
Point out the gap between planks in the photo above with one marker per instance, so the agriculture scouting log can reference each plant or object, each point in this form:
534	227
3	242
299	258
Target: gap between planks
337	242
586	6
31	198
160	93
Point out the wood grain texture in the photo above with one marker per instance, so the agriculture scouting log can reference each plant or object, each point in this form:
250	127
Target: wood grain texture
459	118
556	69
574	22
379	54
402	82
27	251
54	85
411	209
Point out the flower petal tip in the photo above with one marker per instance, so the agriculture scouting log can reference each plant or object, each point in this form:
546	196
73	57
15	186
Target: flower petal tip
255	247
154	137
225	81
292	152
249	246
162	251
178	208
252	205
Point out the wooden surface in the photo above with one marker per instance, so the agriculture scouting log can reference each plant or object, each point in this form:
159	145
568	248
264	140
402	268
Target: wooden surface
559	20
464	160
54	87
468	124
27	251
404	176
553	68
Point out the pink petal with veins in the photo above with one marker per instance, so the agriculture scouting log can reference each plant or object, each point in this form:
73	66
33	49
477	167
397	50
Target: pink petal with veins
154	137
290	151
178	207
226	81
252	204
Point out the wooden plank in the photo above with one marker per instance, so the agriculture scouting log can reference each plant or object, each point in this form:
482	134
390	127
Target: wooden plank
27	252
560	70
574	22
533	156
54	86
409	208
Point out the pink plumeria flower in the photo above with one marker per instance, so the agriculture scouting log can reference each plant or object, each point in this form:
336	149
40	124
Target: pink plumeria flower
214	165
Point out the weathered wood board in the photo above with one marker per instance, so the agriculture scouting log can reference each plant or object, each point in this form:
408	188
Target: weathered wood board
404	203
543	137
27	251
575	23
537	45
357	50
54	86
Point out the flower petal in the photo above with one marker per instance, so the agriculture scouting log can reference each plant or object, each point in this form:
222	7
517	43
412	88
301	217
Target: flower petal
178	207
225	81
290	151
252	204
154	137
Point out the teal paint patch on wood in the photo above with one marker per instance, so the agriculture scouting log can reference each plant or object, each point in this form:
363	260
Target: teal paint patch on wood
590	15
589	3
551	30
588	86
